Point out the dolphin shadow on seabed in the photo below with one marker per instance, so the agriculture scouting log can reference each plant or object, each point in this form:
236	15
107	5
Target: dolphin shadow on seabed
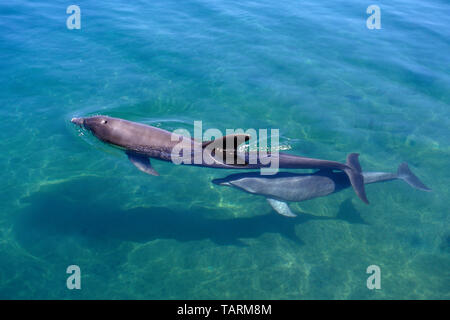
79	213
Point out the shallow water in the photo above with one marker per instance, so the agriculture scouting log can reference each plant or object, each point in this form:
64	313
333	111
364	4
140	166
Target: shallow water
312	70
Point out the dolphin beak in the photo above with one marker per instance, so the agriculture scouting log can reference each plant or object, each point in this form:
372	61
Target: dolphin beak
77	121
221	182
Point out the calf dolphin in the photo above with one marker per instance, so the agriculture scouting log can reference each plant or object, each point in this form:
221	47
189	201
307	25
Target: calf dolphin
300	187
141	142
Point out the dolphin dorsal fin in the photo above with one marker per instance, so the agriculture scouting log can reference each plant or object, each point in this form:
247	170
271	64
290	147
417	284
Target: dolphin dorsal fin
227	148
281	207
234	140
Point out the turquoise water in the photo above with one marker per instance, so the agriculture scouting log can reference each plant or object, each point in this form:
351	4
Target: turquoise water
312	70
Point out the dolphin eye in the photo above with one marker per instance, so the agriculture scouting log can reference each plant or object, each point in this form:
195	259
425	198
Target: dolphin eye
104	121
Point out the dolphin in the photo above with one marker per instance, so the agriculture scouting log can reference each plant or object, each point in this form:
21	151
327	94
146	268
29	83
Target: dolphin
285	186
142	142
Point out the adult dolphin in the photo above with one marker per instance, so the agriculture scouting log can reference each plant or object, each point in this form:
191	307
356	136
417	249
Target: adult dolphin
286	186
142	142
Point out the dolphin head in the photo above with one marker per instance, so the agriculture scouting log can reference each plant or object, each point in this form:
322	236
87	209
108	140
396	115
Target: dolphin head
236	179
77	121
222	182
96	124
103	127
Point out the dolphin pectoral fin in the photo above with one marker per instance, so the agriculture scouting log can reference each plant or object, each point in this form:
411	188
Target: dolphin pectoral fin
142	163
281	207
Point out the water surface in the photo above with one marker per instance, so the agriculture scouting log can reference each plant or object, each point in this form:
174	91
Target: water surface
310	69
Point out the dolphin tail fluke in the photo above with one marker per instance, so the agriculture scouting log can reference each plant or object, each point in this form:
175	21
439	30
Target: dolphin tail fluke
353	172
406	175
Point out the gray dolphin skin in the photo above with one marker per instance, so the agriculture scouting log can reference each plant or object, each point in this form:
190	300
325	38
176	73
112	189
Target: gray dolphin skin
141	142
293	187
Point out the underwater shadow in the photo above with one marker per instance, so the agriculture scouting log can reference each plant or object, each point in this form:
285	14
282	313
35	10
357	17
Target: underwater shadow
347	212
75	208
